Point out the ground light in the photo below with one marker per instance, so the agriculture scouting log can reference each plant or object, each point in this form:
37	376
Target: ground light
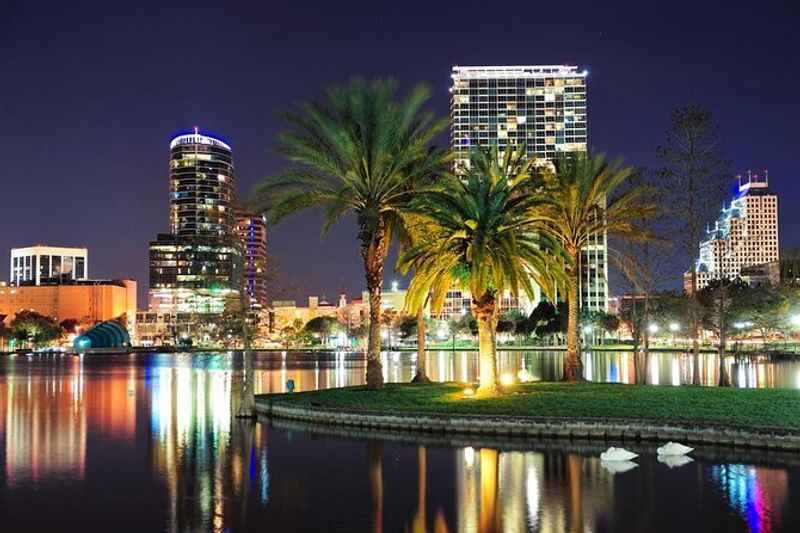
523	375
469	391
795	320
653	328
674	326
506	380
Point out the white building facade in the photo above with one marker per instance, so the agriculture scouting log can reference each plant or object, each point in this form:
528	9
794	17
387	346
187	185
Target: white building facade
37	264
543	108
744	235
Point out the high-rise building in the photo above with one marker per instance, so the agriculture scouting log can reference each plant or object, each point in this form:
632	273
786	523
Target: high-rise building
251	228
201	186
194	269
744	235
36	265
542	108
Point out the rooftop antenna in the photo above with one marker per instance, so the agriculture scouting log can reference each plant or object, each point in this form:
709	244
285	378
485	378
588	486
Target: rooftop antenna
196	130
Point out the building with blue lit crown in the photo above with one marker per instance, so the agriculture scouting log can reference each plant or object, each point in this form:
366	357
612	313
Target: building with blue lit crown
193	269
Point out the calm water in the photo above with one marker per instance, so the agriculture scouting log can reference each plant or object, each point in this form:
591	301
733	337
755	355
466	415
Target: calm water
148	443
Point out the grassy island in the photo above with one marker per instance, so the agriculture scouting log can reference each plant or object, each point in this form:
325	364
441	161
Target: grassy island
705	406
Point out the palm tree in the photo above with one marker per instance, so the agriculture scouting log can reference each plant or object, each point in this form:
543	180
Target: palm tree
482	235
355	153
578	211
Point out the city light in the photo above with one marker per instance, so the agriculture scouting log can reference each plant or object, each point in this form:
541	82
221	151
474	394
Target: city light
652	328
674	326
795	320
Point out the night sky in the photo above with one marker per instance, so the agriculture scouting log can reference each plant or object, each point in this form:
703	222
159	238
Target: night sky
91	94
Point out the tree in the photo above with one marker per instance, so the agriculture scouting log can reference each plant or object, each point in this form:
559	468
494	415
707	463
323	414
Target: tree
69	325
356	152
35	328
388	319
642	261
721	302
483	235
549	320
765	308
694	173
579	209
323	326
407	326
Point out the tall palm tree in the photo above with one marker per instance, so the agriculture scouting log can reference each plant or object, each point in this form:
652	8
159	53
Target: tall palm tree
578	211
482	235
355	152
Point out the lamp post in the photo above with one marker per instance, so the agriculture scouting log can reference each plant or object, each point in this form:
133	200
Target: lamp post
674	327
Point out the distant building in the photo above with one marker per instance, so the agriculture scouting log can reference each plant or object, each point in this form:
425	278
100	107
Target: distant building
194	269
744	235
544	109
87	301
286	312
251	228
39	264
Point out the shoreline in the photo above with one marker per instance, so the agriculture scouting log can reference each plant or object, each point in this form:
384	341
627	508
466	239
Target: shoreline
317	410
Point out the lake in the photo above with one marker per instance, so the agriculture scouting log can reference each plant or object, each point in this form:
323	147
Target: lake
148	442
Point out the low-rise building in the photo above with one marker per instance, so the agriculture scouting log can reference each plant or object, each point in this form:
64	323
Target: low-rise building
87	301
41	264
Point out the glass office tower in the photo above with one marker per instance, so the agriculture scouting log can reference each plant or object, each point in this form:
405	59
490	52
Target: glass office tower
196	267
543	108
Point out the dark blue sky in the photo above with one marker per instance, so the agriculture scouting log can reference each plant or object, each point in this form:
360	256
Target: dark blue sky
90	94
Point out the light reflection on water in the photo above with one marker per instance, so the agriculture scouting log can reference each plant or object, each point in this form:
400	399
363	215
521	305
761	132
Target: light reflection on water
340	369
149	443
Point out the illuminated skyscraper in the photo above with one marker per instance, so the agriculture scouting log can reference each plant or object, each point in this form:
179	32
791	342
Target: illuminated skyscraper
540	107
201	186
744	235
194	269
251	229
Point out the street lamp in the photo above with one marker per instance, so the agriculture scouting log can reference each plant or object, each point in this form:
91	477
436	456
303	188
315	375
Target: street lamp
674	327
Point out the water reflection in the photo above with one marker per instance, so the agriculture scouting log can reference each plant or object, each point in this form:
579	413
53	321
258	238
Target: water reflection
338	370
150	443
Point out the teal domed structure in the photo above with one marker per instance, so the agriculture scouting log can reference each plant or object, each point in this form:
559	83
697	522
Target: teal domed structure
108	334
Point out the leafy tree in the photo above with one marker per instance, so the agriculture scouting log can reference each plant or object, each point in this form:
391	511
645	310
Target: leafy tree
323	326
483	236
694	173
766	308
357	152
721	302
578	209
34	327
69	325
549	320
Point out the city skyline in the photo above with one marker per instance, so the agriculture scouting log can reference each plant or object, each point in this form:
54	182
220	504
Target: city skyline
117	195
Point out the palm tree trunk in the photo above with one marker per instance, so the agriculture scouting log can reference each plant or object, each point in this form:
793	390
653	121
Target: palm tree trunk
484	310
421	376
573	366
373	252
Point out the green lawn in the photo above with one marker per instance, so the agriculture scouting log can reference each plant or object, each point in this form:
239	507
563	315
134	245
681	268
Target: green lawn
751	408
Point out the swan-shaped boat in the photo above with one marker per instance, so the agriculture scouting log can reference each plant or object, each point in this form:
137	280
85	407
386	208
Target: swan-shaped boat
617	454
674	449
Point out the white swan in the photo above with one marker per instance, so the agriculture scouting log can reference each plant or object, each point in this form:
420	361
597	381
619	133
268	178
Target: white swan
675	461
674	449
618	454
618	467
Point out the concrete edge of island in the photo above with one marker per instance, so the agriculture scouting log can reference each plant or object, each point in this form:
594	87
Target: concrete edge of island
527	427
